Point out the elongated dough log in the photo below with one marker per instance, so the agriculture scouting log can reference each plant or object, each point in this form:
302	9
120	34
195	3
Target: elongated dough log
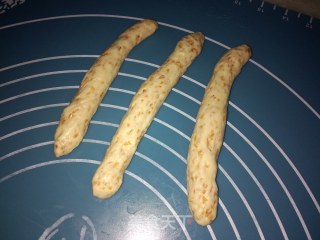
77	115
143	107
208	136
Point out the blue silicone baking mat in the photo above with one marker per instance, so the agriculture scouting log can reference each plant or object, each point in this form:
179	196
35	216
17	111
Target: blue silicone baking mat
268	177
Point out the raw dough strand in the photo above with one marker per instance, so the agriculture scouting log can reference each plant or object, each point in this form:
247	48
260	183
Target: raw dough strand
143	107
76	116
208	134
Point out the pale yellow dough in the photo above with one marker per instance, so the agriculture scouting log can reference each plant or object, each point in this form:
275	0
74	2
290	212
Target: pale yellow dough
144	106
208	134
76	116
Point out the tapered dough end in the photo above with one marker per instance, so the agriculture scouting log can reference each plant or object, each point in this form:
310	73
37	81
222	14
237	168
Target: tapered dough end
69	134
243	50
203	210
66	143
149	23
106	185
195	41
59	149
146	26
199	37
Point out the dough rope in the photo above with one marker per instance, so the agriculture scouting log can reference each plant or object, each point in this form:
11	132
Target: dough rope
143	107
208	134
76	116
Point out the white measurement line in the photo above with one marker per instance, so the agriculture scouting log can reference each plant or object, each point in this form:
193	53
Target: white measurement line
160	196
142	62
192	119
162	169
37	91
185	191
144	157
32	109
262	4
69	16
41	75
165	24
132	76
254	178
114	107
164	104
141	180
299	15
109	124
172	128
192	80
286	12
261	188
165	146
278	178
27	129
274	7
25	149
121	90
234	227
281	151
32	167
311	19
111	89
154	163
186	95
168	25
172	151
188	138
46	59
179	111
160	143
246	168
244	200
96	141
182	134
287	87
153	139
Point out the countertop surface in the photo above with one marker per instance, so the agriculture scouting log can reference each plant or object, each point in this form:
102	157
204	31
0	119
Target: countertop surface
268	176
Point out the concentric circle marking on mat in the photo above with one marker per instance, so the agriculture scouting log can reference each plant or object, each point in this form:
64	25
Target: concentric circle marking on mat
174	27
189	97
232	126
261	188
131	92
144	157
141	180
175	153
181	112
224	172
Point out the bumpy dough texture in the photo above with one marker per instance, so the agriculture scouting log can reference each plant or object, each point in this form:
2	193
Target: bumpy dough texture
143	107
207	137
76	116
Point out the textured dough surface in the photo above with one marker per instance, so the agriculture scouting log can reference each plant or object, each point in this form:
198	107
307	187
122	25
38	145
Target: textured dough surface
76	116
208	134
143	107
